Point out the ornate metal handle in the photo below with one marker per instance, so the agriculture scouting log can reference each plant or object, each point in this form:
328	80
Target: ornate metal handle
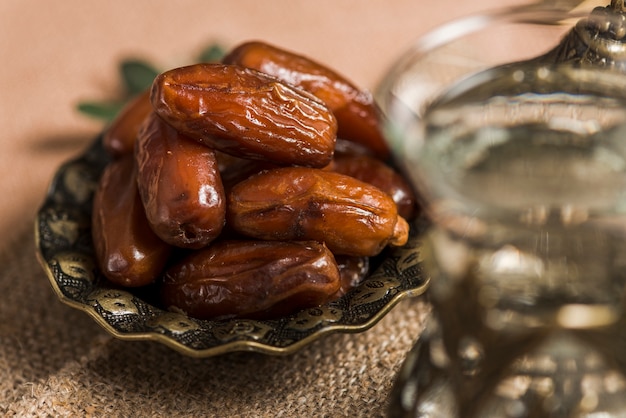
618	5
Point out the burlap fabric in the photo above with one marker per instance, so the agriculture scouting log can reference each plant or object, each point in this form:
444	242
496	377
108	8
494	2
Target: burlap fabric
56	361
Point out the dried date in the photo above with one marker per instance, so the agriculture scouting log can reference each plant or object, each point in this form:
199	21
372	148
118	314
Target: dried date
127	250
246	113
379	174
257	279
120	137
355	110
180	186
298	203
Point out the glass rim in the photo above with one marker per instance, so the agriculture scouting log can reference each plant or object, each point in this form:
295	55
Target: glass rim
458	28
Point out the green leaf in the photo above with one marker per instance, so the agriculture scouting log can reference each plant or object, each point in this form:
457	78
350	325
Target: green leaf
100	110
137	75
212	53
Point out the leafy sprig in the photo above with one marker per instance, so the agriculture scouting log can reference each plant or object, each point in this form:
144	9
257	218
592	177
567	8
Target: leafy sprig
137	76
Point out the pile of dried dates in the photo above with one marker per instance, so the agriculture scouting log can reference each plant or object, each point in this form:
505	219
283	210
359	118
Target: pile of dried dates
253	187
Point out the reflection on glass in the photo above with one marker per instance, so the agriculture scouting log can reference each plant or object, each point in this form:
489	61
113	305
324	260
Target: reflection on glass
522	167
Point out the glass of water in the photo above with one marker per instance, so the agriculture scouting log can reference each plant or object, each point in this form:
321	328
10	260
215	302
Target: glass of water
511	126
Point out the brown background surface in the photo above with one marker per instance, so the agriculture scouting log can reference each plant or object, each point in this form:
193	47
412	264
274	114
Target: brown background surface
54	361
53	55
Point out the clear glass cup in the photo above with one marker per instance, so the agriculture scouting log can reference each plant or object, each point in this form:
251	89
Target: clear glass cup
511	126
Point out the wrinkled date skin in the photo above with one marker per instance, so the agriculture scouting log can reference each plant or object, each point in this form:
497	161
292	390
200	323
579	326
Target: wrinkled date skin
255	279
127	251
246	113
119	139
357	116
377	173
180	186
298	203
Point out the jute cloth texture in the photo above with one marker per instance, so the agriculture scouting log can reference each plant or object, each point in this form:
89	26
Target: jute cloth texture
56	361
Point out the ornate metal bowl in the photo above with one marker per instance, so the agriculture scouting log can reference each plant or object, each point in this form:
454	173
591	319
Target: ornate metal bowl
64	248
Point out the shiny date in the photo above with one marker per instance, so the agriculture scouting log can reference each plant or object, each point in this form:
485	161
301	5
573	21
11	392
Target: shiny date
119	138
246	113
355	110
256	279
377	173
298	203
180	186
127	250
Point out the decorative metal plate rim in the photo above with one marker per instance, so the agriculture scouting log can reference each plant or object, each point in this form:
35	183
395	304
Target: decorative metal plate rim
63	248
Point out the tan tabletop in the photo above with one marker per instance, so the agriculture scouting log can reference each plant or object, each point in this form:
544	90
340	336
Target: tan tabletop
54	360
